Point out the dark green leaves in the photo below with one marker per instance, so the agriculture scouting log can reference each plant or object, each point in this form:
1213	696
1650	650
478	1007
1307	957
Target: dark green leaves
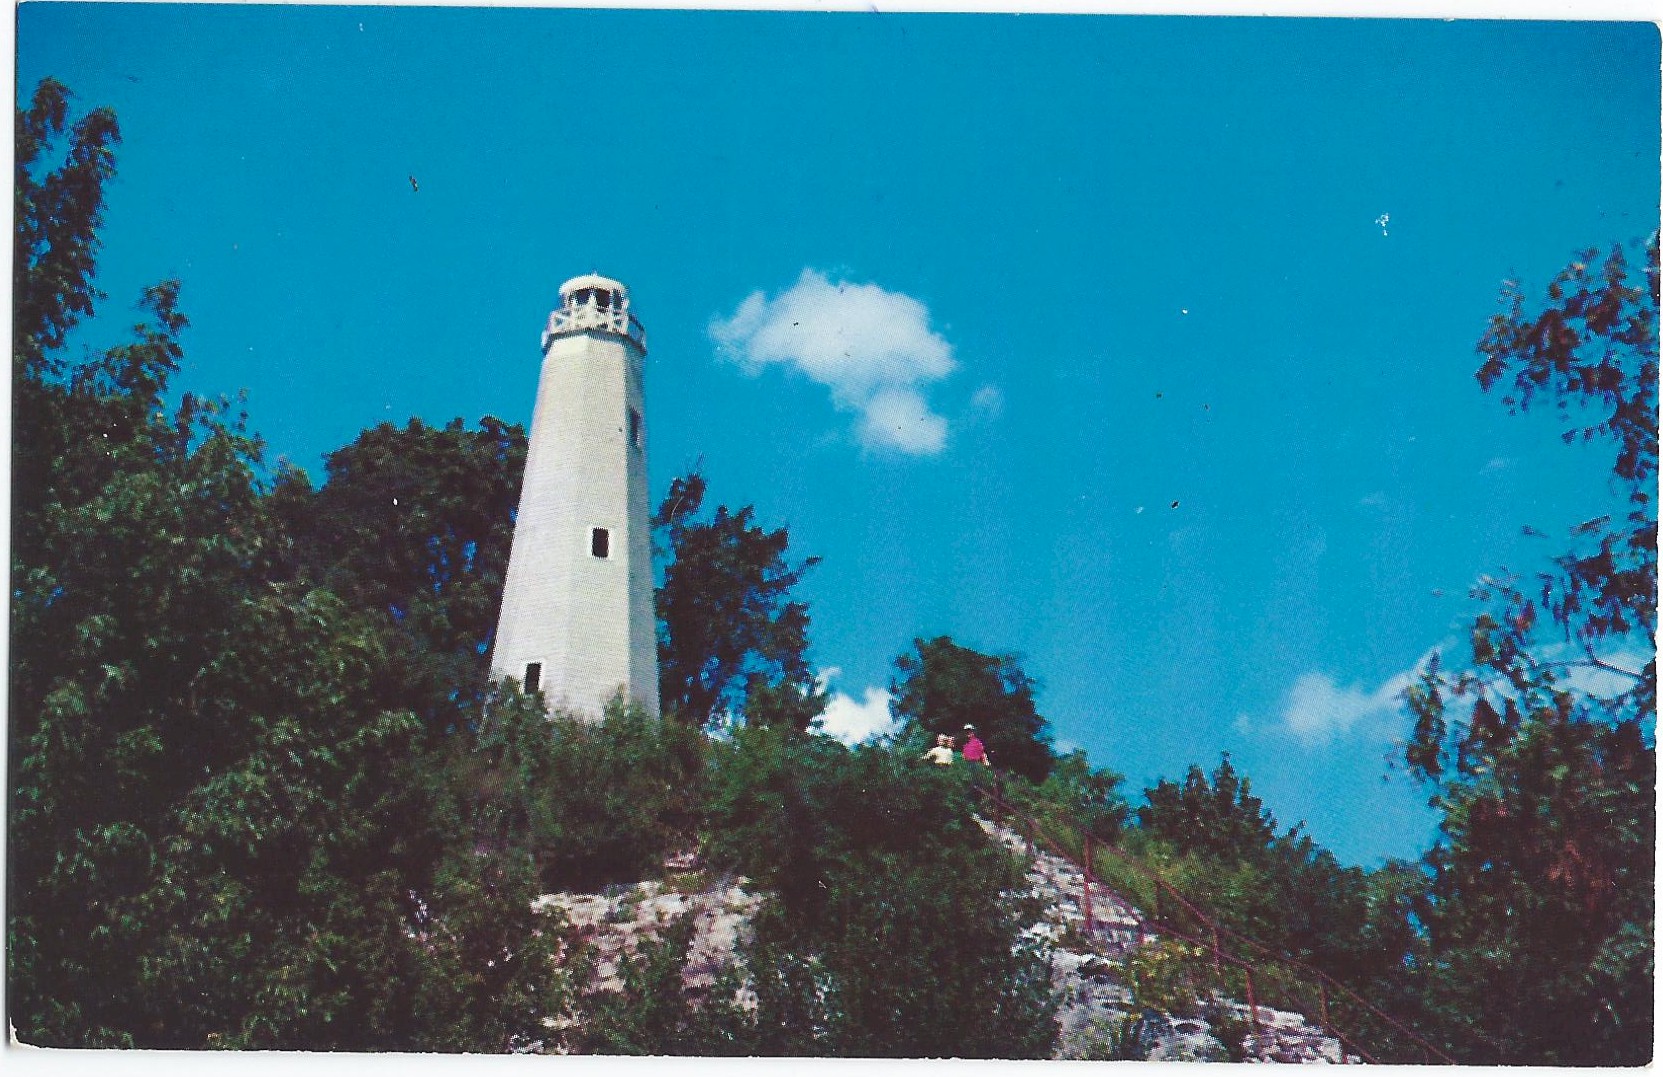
57	213
732	640
943	687
897	926
1540	913
415	523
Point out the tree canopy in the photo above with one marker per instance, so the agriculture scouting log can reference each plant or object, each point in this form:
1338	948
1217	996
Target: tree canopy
1540	751
1219	815
942	687
414	523
732	638
225	826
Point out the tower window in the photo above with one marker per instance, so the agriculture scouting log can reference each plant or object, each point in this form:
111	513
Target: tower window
600	542
635	428
533	676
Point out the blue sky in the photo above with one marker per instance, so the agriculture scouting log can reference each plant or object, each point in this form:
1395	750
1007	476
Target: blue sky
1139	347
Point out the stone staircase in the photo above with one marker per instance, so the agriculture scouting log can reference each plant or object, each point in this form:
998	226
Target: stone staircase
1088	974
1088	965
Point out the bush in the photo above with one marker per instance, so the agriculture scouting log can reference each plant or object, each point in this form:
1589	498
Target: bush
591	803
897	928
622	794
1090	797
652	1013
1169	976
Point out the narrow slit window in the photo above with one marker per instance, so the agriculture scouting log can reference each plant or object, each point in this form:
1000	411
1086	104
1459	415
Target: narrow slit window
600	542
533	676
635	428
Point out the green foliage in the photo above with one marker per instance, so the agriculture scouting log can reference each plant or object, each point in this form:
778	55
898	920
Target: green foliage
133	595
1211	839
1541	752
1230	1030
797	1011
590	804
416	523
1296	898
489	968
1169	976
1089	795
1590	350
57	214
760	812
1117	1039
731	639
616	798
897	928
653	1013
225	827
943	687
1220	817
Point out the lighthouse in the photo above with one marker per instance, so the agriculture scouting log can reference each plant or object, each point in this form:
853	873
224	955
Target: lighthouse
577	605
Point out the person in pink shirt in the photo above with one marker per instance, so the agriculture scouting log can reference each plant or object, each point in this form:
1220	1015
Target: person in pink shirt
974	750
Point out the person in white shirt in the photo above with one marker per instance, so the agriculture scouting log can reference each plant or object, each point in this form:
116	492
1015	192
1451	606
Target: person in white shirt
942	755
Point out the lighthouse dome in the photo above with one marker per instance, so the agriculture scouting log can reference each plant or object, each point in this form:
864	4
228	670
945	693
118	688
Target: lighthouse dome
593	303
591	282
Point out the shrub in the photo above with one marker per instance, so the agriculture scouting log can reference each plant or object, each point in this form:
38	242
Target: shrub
897	927
590	803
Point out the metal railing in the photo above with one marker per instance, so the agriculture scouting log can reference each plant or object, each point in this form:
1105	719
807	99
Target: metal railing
584	317
1298	985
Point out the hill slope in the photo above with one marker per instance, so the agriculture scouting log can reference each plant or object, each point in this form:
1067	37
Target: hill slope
1092	970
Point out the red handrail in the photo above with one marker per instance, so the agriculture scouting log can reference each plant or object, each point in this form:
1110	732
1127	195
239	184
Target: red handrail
1032	827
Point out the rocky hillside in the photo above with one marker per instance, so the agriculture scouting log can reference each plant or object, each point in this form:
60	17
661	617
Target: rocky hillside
1088	968
1088	973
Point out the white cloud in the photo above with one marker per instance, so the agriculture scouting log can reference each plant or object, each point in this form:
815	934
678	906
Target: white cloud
900	419
852	722
1318	709
873	348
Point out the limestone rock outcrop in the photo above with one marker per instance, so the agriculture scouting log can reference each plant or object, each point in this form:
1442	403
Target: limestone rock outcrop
1088	966
1096	1003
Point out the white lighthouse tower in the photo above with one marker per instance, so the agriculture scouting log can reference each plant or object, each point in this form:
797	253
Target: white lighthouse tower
577	606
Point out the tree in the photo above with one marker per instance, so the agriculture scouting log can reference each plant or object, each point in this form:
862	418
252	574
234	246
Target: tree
57	216
1216	843
1540	752
416	524
1090	795
943	687
225	829
732	641
1219	817
57	212
131	584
